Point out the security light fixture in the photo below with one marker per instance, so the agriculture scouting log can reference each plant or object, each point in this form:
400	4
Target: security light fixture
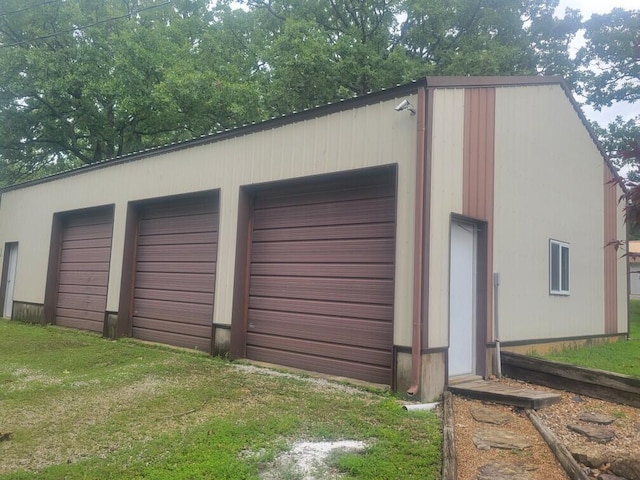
405	105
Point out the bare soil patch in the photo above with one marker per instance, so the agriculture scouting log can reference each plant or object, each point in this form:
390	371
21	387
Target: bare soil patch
310	460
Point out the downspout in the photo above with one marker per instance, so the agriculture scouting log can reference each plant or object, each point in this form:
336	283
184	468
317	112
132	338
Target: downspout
418	248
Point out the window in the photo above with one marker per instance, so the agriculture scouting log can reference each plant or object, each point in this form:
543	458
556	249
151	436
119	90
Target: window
558	268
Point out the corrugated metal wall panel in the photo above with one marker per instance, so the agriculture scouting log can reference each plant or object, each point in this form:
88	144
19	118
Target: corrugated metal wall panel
83	274
175	272
446	181
540	143
321	288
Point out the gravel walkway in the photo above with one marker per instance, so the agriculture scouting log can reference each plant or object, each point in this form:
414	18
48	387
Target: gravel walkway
537	461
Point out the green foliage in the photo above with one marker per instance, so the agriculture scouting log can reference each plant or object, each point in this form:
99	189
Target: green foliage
84	407
83	81
418	459
613	46
618	140
609	72
489	38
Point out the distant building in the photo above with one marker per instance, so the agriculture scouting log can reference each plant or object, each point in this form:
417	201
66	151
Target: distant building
634	269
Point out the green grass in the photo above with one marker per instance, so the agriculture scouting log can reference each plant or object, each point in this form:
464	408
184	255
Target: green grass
620	357
82	407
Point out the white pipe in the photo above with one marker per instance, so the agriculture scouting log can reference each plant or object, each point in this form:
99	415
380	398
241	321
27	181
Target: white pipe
412	407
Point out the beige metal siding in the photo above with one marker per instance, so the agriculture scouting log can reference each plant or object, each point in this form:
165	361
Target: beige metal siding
446	197
357	138
548	186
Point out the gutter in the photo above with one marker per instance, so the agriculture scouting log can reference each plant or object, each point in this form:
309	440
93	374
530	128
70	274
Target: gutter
418	256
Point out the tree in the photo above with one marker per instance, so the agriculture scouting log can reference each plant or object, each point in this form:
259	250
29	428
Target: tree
323	50
611	58
489	37
619	140
610	73
83	81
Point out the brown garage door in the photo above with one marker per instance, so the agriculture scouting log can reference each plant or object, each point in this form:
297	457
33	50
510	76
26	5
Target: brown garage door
84	270
321	284
175	272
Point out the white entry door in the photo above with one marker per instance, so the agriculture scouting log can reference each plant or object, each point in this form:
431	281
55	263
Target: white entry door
462	299
11	252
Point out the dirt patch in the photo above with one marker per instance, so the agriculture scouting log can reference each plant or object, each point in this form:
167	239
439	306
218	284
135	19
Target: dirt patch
310	460
320	383
23	377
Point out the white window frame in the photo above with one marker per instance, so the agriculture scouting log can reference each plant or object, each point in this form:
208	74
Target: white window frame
561	285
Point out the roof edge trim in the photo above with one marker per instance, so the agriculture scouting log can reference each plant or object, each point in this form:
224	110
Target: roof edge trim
489	81
308	114
516	81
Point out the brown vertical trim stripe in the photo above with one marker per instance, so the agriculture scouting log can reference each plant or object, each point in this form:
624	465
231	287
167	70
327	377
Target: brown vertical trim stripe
478	172
610	254
241	278
51	289
125	309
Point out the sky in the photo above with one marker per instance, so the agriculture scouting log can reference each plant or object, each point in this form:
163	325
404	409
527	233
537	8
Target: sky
587	8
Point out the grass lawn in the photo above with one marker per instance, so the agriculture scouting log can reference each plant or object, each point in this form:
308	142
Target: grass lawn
83	407
621	357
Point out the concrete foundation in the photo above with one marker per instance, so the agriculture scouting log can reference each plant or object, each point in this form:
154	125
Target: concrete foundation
221	341
28	312
432	378
551	346
111	325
